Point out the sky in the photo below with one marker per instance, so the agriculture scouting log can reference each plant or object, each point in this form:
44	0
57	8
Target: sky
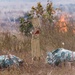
31	1
7	5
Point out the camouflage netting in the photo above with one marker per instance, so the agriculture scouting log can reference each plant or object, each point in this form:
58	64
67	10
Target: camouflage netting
60	55
8	60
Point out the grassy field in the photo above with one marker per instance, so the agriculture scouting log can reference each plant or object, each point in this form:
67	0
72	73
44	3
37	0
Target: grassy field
37	67
20	46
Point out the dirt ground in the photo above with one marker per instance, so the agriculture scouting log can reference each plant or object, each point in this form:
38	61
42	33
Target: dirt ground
36	67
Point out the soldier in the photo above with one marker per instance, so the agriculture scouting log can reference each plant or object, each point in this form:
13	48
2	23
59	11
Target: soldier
35	41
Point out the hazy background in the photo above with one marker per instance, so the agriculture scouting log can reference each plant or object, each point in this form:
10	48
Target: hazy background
10	10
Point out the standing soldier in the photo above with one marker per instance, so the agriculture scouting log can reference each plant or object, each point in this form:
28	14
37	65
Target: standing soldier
35	41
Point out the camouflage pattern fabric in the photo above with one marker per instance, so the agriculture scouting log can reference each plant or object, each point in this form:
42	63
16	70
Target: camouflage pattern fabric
8	60
60	55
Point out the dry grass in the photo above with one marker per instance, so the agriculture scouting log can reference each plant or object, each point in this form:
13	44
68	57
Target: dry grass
13	42
20	46
36	68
